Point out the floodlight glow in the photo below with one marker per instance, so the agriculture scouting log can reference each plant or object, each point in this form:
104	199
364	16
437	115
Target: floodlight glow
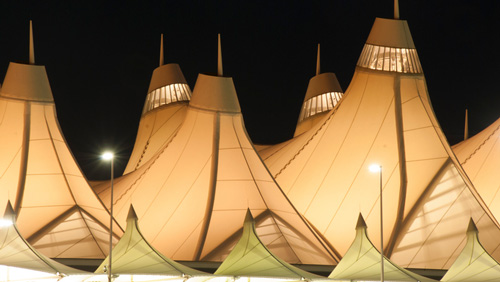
107	156
375	168
5	222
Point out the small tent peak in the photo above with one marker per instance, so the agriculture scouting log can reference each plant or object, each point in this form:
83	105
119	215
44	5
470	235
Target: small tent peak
132	215
219	57
472	227
249	218
162	60
361	222
32	46
9	213
318	67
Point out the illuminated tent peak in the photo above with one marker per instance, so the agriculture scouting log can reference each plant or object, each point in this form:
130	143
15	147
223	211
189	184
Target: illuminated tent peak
134	255
215	93
362	262
163	112
385	117
70	221
202	182
323	93
15	251
473	264
219	57
250	257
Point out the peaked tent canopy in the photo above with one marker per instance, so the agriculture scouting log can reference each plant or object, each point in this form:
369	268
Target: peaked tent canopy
164	111
134	255
361	262
473	264
480	158
57	211
384	117
15	251
323	93
203	181
251	258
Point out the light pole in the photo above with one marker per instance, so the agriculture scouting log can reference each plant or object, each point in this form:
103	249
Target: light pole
378	168
108	156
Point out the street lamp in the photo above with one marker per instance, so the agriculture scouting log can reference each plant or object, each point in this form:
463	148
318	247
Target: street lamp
108	156
378	168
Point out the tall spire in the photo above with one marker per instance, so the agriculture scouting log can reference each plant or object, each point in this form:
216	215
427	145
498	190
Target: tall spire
162	61
318	63
219	59
396	9
466	127
32	46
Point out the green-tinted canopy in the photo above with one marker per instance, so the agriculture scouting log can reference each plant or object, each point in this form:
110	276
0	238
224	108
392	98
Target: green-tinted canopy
474	263
134	255
17	252
250	257
362	262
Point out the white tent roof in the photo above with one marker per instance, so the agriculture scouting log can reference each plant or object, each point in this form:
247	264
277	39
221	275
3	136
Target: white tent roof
134	255
384	117
70	221
203	181
164	111
361	262
17	252
480	158
473	264
250	257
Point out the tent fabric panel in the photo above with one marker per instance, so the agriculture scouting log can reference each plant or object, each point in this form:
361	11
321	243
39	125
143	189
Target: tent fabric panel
38	123
473	264
9	180
228	137
437	218
143	135
75	236
66	159
52	123
420	175
42	158
233	166
479	156
30	221
11	124
155	130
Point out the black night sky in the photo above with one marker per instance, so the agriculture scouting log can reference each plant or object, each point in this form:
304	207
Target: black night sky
100	55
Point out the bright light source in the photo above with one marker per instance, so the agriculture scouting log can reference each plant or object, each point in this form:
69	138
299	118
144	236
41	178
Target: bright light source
375	168
107	156
5	222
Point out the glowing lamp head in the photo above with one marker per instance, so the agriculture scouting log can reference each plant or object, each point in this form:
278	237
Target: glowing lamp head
5	222
375	168
107	156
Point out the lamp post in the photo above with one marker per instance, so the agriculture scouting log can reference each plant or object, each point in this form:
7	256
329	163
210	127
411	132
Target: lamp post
378	168
108	156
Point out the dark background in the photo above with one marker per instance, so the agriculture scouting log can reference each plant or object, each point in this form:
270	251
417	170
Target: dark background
100	55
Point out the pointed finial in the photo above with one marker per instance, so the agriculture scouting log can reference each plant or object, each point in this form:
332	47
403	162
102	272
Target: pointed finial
472	227
162	62
466	127
396	9
361	222
9	214
318	63
219	59
32	46
131	214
